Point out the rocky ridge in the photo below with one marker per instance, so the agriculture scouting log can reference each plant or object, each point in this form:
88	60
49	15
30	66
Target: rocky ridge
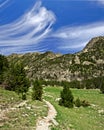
50	66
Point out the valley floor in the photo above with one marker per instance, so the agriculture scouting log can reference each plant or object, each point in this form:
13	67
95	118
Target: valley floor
83	118
16	114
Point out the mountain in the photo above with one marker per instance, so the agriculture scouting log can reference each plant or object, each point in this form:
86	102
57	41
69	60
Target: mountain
85	64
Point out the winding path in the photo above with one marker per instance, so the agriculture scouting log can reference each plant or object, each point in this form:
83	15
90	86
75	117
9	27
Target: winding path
43	124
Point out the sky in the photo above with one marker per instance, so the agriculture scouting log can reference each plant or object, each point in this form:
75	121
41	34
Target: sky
60	26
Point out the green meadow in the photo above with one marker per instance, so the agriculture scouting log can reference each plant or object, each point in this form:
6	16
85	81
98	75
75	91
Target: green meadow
25	117
83	118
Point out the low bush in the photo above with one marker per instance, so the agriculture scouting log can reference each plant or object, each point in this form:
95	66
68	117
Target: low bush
77	102
24	97
85	103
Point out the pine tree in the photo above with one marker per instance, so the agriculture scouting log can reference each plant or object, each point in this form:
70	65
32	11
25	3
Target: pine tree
66	97
37	90
3	67
17	80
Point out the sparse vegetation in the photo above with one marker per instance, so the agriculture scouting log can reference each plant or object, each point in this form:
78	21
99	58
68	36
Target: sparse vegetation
14	115
84	65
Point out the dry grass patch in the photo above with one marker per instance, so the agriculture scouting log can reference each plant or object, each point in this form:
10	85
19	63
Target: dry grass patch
17	115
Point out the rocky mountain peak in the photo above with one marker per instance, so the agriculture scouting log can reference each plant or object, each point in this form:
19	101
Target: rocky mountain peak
94	43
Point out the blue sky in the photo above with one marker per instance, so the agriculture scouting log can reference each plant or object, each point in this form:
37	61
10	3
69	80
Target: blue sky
61	26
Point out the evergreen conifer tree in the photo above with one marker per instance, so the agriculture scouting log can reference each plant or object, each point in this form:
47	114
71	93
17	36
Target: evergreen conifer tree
37	90
3	67
66	97
17	79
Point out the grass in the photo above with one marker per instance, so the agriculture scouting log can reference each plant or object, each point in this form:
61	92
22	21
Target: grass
8	99
25	117
83	118
20	118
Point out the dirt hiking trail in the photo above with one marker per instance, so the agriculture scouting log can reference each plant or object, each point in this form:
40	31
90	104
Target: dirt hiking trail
46	122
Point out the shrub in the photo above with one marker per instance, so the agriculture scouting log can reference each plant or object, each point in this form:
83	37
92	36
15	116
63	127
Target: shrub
85	103
66	98
24	97
77	102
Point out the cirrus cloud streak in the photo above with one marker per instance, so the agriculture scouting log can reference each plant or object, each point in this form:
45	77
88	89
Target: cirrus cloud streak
78	36
2	4
30	29
34	32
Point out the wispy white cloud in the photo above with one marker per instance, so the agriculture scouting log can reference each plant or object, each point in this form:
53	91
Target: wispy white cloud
33	32
31	28
78	36
100	1
2	4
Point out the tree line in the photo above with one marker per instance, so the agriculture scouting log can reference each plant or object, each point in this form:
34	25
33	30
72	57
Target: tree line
93	83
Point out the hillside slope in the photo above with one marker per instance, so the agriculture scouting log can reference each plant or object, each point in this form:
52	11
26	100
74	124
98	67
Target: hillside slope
49	66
